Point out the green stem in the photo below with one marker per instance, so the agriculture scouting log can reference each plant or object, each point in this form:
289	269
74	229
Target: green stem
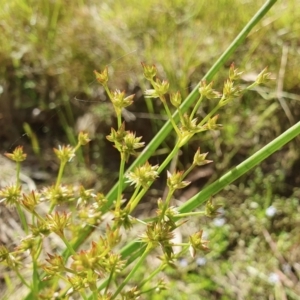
170	117
153	274
58	180
35	277
109	281
60	174
196	107
120	189
134	269
192	166
190	214
166	204
19	209
82	294
22	218
119	115
241	169
210	114
69	246
134	195
18	167
21	278
160	169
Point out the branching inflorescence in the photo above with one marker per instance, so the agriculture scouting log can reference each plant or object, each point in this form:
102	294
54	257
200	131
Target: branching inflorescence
99	271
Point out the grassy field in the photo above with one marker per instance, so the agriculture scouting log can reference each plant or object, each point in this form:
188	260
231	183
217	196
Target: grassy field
48	52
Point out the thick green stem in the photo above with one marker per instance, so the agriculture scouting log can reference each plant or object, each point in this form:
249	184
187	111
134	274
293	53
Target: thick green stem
241	169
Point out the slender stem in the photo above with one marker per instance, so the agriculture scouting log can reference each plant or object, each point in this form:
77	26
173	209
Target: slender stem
35	278
120	189
134	269
22	218
133	202
192	166
192	213
166	204
109	281
69	246
210	114
136	191
119	115
21	277
18	167
60	174
154	273
19	209
160	169
170	117
82	294
196	107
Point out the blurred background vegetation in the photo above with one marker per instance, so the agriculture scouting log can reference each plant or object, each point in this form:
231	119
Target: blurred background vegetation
48	52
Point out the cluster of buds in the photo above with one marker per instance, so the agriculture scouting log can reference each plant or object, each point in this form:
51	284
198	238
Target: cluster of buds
57	222
197	243
160	89
143	175
234	74
119	101
11	195
31	200
149	71
9	258
211	210
18	154
212	124
65	153
175	181
207	91
188	129
200	158
133	293
230	92
102	77
159	233
58	194
125	141
175	99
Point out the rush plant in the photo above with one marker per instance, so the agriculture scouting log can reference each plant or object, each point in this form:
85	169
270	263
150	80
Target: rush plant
106	268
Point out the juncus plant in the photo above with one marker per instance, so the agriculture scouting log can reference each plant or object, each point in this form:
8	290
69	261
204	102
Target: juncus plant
99	270
95	270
